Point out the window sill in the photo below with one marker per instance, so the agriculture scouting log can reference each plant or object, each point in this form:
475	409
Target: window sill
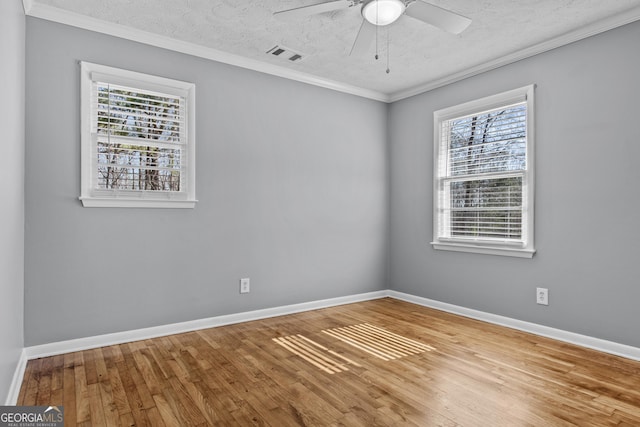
96	202
487	250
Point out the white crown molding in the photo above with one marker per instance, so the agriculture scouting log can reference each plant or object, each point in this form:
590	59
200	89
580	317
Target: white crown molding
50	13
16	382
62	16
27	5
598	344
62	347
601	26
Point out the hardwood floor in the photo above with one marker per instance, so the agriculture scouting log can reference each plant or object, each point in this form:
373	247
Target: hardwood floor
326	367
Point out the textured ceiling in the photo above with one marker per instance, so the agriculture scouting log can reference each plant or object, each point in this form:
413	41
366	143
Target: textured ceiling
420	55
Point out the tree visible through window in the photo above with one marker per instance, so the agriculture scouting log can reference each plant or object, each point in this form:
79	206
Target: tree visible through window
483	176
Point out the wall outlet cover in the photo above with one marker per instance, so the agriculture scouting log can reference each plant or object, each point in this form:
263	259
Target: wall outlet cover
245	285
542	296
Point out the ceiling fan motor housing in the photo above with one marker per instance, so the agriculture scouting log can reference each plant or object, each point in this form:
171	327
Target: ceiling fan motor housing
382	12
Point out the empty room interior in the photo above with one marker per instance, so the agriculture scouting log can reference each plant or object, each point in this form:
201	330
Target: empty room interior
307	212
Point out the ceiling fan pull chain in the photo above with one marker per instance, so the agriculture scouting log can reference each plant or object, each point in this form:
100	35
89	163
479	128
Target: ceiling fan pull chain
377	26
376	43
388	44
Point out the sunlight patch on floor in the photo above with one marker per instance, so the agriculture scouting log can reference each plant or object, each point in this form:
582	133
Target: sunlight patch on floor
377	341
316	354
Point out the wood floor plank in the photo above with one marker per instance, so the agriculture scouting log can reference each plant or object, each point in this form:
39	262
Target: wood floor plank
57	373
111	413
31	384
120	400
69	390
182	404
96	408
156	419
470	374
147	369
127	420
101	366
142	391
167	413
218	399
44	387
83	411
199	400
90	368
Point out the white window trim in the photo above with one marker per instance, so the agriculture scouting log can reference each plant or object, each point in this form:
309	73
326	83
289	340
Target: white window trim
484	246
91	197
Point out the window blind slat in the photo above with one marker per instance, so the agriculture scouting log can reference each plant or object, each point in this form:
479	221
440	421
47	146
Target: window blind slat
132	102
518	138
138	131
105	111
106	91
137	142
114	113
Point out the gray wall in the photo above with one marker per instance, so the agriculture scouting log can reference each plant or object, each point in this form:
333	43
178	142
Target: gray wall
316	194
587	196
292	188
12	52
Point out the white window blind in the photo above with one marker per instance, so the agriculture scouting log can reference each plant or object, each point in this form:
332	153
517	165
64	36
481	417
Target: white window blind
483	176
140	137
138	143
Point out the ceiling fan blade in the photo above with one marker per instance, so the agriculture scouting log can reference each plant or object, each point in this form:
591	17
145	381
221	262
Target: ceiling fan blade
438	17
365	37
313	9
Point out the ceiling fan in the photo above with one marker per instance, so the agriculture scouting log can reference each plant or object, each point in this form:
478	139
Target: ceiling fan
377	13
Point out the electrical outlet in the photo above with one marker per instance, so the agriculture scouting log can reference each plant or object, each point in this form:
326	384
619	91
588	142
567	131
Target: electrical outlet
542	296
245	285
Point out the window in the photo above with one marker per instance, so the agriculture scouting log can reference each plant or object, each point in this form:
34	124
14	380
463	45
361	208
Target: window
138	139
483	175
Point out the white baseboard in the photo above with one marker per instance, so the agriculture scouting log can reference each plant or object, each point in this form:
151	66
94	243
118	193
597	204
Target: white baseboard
16	382
87	343
605	346
61	347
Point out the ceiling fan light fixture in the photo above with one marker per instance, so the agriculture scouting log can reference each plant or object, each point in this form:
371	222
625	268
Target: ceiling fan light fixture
383	12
